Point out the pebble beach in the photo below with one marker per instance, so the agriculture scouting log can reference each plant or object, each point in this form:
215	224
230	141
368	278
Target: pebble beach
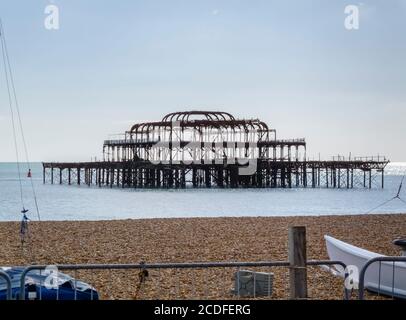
193	240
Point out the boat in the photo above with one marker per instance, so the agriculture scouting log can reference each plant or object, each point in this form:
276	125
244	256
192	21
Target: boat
36	289
385	278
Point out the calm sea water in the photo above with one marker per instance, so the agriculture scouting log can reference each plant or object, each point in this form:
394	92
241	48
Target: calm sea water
83	203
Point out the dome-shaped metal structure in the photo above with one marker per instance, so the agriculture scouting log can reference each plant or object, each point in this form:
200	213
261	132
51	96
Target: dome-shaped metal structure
207	115
201	120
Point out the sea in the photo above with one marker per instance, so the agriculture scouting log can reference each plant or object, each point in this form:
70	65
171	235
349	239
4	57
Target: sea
63	202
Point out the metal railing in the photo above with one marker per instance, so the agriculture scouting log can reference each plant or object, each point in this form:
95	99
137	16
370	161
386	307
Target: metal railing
380	290
175	266
7	280
299	140
360	159
129	141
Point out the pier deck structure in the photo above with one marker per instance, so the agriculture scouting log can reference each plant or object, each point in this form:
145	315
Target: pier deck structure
213	149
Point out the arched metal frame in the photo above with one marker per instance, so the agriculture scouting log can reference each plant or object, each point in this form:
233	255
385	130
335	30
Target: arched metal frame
201	136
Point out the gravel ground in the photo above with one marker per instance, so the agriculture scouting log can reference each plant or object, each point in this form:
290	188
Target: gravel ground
193	240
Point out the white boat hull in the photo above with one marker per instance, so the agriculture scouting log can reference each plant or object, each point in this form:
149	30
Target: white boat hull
386	278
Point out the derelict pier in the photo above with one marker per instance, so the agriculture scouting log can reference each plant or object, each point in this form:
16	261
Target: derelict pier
203	149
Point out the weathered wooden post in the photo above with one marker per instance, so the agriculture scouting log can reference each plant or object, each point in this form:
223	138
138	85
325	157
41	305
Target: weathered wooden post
297	261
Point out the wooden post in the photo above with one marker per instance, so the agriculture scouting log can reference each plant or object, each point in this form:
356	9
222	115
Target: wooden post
297	261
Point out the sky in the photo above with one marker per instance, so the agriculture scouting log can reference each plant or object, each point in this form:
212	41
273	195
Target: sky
292	64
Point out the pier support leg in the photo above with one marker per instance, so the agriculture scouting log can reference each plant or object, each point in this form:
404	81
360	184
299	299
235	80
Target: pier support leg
313	177
365	179
194	177
339	178
370	179
283	178
234	177
220	178
383	178
352	178
207	178
297	177
304	175
158	178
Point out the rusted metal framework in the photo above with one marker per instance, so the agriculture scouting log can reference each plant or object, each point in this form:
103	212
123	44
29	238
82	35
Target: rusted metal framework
205	149
202	137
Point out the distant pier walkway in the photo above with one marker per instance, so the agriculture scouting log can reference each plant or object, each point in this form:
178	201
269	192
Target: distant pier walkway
337	173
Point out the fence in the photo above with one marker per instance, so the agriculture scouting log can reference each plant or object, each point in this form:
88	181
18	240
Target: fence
143	269
381	287
7	280
386	281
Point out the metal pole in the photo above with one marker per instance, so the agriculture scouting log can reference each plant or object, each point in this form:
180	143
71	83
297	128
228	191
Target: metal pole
361	285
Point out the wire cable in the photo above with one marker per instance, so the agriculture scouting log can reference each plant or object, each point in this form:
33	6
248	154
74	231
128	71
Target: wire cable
391	199
10	81
12	115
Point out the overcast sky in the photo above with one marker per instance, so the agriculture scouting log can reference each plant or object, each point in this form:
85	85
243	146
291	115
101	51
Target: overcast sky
292	64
